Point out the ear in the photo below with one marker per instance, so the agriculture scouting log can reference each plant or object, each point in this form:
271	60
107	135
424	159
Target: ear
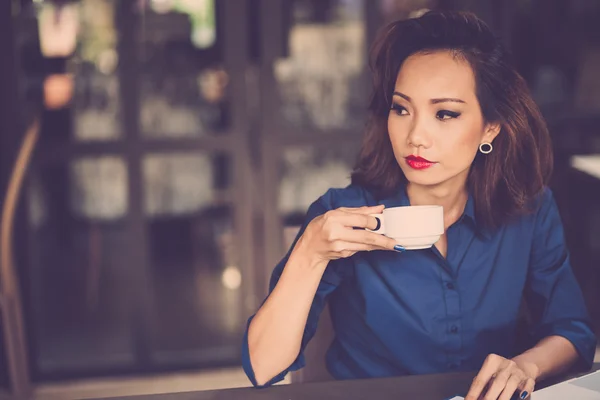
491	131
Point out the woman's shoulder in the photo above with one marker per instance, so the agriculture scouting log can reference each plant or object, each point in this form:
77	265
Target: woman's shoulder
349	196
539	208
538	215
544	201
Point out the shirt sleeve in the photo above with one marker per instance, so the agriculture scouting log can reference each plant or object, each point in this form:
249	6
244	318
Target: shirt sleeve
332	277
552	293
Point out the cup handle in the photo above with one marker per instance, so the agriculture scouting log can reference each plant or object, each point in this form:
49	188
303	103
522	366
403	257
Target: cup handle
380	224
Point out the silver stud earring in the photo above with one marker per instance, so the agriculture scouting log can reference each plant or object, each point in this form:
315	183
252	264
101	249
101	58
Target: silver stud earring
486	148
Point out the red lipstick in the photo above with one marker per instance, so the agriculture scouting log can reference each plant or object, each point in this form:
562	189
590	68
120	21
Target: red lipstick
419	163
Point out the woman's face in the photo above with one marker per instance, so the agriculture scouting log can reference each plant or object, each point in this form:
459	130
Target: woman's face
435	122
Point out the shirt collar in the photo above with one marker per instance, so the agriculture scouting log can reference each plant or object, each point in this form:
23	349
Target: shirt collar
469	211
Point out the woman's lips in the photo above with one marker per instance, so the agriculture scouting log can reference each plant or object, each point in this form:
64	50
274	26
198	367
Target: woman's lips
418	162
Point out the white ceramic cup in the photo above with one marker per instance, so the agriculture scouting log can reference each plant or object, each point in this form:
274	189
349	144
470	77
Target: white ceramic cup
412	227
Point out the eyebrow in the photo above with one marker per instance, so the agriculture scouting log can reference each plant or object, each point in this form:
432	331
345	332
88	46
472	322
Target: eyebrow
433	101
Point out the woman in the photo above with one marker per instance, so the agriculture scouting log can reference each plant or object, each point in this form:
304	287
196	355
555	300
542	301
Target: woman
452	124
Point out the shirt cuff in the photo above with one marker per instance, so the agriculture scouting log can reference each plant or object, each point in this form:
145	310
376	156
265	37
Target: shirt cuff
581	337
247	365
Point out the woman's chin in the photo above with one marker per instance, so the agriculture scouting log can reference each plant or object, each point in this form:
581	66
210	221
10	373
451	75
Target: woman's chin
422	177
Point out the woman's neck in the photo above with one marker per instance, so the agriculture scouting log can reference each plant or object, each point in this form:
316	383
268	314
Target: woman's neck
452	198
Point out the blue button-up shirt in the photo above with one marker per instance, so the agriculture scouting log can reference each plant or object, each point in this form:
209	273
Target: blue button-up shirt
418	313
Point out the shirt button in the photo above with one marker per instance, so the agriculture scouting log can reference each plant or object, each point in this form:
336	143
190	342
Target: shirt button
453	329
449	285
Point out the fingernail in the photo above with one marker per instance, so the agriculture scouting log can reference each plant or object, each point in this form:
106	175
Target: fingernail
399	248
524	395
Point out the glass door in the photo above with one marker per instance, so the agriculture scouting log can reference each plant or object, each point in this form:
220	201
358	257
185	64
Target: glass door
138	258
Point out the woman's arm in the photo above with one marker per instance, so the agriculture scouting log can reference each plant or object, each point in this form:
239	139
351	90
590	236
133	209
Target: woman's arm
551	356
277	331
500	378
561	325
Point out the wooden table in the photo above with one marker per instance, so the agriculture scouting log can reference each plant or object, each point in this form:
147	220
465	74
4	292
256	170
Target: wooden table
423	387
420	387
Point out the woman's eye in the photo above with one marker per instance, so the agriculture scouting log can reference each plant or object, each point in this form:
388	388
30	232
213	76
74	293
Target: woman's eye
446	114
398	109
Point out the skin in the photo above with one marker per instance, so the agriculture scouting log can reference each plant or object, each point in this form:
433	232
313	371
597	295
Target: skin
279	323
435	115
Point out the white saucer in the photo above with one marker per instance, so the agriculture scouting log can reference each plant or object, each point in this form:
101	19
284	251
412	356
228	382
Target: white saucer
418	243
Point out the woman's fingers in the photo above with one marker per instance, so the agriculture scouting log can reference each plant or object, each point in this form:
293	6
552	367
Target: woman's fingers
348	249
499	379
363	210
350	220
497	385
489	368
339	230
526	388
512	386
369	222
339	227
375	240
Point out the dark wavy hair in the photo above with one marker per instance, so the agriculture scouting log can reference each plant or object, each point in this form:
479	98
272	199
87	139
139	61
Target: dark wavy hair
503	183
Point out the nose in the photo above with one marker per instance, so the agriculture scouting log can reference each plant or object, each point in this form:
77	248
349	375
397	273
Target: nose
418	136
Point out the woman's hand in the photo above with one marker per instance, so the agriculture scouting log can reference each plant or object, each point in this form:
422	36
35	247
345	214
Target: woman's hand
501	378
332	235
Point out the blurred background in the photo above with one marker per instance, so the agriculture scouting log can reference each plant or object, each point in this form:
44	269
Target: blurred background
181	142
